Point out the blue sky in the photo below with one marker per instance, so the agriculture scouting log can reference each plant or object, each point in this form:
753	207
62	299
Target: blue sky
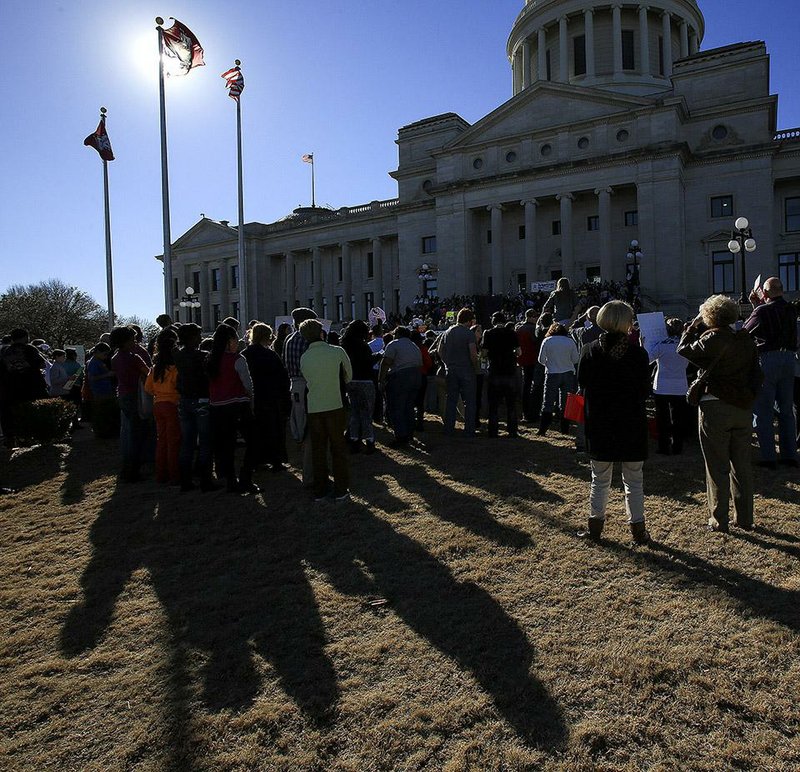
336	79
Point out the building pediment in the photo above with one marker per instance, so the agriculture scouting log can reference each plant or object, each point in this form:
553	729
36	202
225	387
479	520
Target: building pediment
203	233
544	106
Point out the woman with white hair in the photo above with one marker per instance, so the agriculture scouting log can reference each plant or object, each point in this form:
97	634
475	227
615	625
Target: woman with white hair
728	362
614	375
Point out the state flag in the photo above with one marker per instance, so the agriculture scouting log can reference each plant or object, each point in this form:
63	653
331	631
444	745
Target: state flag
234	81
308	158
182	44
100	142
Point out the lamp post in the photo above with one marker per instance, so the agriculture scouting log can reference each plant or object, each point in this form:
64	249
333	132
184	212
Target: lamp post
635	254
189	299
425	274
742	242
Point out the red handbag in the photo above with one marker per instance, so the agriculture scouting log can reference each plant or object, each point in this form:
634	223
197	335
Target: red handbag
573	409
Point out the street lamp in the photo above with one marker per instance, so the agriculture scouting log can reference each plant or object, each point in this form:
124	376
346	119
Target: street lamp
189	299
742	242
635	254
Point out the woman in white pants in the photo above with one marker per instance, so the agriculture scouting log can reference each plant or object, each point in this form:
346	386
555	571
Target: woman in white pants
615	377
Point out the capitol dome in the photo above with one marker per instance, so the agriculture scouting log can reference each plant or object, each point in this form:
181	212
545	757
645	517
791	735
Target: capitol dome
622	47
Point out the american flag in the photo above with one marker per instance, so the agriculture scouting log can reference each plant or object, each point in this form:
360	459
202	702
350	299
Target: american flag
234	81
308	158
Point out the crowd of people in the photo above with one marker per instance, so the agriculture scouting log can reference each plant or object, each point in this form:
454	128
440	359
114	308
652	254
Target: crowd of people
574	357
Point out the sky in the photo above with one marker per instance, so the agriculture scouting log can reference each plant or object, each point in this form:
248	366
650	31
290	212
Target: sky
334	78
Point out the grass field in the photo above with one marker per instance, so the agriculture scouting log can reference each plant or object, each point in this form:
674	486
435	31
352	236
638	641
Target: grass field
446	618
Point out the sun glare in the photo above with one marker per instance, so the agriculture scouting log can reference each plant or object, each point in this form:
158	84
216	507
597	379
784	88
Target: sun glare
144	55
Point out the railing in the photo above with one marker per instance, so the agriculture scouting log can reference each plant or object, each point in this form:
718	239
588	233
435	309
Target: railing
787	134
327	215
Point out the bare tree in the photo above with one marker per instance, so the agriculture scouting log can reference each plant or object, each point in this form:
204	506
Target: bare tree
54	311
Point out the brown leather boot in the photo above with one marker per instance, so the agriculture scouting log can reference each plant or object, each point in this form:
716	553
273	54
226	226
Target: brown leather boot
639	533
595	531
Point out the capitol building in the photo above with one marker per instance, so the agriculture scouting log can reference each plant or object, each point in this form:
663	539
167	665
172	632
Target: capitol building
621	127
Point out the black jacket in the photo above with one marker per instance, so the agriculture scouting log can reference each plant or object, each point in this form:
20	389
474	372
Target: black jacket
270	379
614	375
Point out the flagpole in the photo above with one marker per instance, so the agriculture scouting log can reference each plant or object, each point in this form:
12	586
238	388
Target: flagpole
313	202
244	309
109	270
164	174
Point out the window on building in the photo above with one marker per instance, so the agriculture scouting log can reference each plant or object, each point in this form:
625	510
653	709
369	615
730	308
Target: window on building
661	69
722	206
489	236
632	218
175	292
628	61
792	212
593	223
548	68
198	317
579	54
522	281
593	274
234	276
397	301
196	281
789	271
312	271
369	303
428	245
340	268
235	310
430	287
370	265
215	279
339	308
489	285
555	275
216	314
556	227
521	232
722	268
285	308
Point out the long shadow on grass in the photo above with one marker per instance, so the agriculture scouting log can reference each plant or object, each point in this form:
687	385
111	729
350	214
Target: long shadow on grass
458	618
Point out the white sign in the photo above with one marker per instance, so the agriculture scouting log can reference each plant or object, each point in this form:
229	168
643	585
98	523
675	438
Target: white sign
652	329
376	315
326	324
279	320
80	351
542	286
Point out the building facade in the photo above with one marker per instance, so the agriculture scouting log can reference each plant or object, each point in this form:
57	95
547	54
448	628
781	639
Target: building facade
620	127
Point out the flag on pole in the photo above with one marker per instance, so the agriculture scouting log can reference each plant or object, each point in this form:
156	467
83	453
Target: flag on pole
308	158
234	80
100	141
182	44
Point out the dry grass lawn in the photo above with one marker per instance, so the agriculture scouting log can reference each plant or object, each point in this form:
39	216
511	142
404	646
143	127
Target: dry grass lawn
446	618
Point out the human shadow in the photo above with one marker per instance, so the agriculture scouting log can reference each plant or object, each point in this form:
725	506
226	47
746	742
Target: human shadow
459	618
462	509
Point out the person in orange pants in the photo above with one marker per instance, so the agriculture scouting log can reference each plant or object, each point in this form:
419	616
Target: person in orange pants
162	383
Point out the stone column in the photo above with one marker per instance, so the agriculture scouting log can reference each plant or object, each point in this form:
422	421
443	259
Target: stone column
616	34
377	266
667	33
498	275
588	21
567	253
563	50
225	300
531	267
684	38
526	63
644	40
316	257
289	283
604	212
694	42
347	279
331	275
516	72
541	54
205	299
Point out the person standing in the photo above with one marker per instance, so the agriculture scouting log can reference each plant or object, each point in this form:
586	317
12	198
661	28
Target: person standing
773	325
361	389
324	368
730	362
669	390
559	355
615	378
527	360
459	353
401	375
562	303
502	348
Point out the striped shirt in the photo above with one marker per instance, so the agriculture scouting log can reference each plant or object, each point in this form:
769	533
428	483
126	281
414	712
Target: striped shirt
293	349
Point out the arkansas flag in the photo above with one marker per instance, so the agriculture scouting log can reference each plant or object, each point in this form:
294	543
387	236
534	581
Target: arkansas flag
234	81
100	142
181	44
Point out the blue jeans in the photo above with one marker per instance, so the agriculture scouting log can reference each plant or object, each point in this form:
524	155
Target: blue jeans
556	386
460	383
195	421
132	435
777	390
401	391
